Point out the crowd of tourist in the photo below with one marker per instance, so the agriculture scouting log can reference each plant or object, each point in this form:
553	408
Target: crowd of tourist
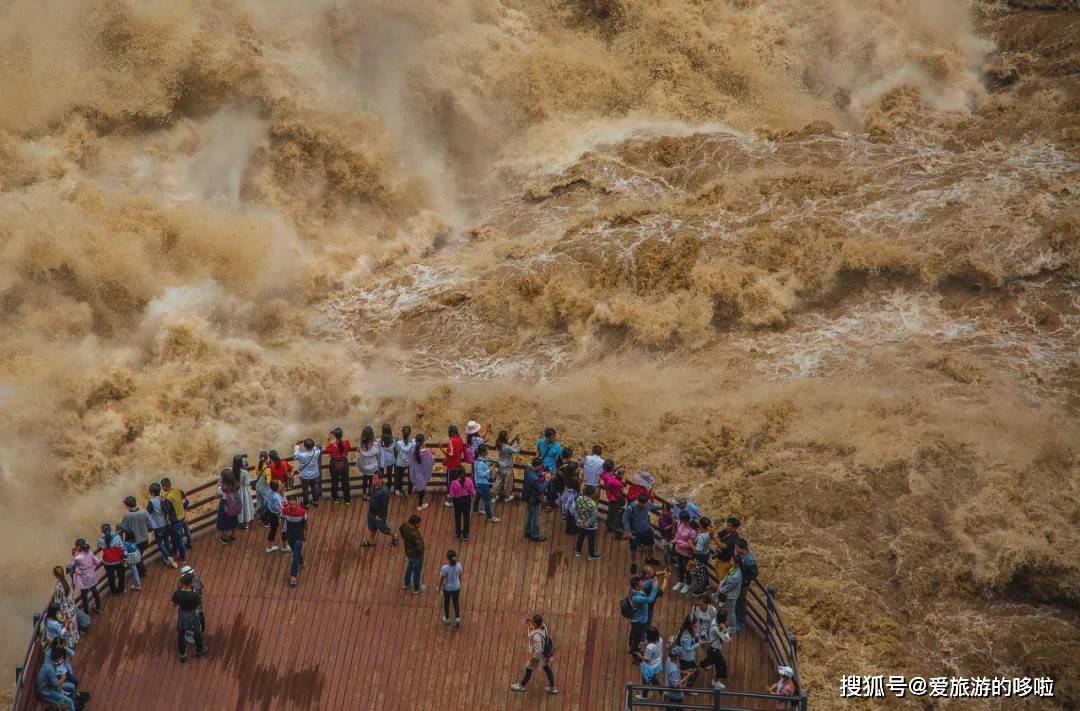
666	541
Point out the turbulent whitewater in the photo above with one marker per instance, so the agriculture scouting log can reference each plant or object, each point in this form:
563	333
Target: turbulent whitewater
815	262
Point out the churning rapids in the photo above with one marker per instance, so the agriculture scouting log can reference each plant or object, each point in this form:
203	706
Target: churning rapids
815	262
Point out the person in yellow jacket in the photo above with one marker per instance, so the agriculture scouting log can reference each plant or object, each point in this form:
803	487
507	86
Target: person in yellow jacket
179	502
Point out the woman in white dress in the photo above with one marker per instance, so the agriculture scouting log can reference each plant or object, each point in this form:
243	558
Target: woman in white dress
247	504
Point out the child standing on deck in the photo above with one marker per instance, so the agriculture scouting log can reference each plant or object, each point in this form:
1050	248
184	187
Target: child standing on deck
133	557
450	584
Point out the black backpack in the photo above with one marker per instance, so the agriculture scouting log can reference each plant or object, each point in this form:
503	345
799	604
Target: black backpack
626	608
168	510
549	647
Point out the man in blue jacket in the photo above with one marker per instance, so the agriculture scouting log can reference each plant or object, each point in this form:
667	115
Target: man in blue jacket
55	683
637	524
536	483
643	593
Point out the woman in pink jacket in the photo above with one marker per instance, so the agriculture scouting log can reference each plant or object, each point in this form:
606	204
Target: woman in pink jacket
684	550
83	565
462	491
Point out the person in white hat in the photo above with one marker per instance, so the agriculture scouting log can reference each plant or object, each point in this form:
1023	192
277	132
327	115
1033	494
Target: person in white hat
785	685
474	435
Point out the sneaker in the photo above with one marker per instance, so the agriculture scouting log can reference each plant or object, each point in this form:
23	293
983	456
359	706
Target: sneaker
448	503
404	586
577	554
457	622
271	549
517	687
422	589
539	539
446	620
335	501
183	658
596	556
348	504
509	498
476	512
718	685
494	519
292	582
552	690
464	538
423	506
202	652
137	587
170	561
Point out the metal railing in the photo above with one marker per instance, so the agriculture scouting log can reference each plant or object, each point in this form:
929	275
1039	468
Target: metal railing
710	700
762	612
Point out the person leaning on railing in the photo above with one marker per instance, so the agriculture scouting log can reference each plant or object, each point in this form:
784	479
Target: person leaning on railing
748	566
112	558
83	566
56	683
306	455
368	453
729	587
337	451
64	599
614	491
180	504
421	466
403	449
137	524
505	448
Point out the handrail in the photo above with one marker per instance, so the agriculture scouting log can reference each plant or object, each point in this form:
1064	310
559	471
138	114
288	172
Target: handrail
718	699
767	620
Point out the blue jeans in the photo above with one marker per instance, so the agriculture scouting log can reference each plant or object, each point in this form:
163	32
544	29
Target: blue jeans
412	572
297	557
55	697
166	538
483	493
532	519
178	533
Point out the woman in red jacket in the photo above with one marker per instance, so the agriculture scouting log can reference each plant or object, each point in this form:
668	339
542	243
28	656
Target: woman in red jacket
337	447
452	456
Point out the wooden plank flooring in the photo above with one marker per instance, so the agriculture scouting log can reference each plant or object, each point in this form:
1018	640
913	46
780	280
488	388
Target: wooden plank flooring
349	637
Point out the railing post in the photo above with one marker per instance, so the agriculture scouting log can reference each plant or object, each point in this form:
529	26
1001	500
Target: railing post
18	672
770	591
716	700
